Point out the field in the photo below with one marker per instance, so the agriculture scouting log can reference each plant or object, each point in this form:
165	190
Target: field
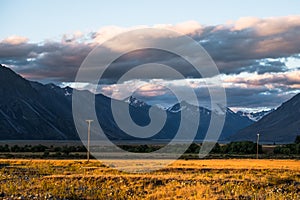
184	179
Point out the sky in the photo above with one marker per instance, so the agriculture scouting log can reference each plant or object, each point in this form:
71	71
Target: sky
40	20
255	44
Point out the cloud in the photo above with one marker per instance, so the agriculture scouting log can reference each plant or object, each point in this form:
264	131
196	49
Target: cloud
289	79
151	90
245	90
49	60
240	46
268	26
15	40
247	40
186	28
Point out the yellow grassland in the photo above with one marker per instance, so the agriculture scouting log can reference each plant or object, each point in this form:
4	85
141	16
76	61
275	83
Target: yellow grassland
183	179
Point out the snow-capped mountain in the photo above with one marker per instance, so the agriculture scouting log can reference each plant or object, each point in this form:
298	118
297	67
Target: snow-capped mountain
233	121
255	116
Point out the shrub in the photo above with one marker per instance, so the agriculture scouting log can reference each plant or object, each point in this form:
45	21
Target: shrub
245	147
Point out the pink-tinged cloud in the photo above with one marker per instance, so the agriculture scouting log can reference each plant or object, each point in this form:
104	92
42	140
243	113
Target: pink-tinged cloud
267	26
151	90
108	32
15	40
289	79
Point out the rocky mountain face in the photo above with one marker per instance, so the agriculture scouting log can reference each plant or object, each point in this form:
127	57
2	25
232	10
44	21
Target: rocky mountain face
281	125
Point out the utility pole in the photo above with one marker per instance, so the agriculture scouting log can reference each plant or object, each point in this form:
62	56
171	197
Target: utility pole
89	121
257	145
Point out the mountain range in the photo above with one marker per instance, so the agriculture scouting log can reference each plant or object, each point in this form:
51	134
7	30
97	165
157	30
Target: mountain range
31	110
233	121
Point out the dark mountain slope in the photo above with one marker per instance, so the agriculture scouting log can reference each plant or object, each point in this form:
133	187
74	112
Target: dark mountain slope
30	110
281	125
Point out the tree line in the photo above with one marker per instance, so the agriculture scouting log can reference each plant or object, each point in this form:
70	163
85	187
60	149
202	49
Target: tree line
41	148
244	147
289	148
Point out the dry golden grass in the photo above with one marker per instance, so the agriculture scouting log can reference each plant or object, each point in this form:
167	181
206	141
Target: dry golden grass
240	164
184	179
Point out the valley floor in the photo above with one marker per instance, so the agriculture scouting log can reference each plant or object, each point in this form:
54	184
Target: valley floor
183	179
